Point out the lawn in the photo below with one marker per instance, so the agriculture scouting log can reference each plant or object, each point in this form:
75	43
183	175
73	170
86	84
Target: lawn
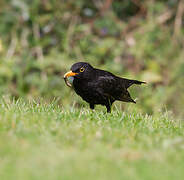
46	141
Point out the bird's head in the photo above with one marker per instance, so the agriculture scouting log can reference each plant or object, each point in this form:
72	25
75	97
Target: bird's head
80	70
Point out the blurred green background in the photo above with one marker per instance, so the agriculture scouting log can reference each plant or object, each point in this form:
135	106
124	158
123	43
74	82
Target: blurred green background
140	39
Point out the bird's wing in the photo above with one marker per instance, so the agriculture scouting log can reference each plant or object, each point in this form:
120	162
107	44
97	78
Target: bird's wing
109	85
112	87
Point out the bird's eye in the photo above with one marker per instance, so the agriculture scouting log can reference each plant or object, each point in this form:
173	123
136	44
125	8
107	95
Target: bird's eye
82	69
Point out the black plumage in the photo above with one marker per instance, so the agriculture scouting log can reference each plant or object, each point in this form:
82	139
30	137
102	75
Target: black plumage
98	86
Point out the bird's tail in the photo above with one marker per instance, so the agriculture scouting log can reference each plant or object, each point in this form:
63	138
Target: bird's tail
125	96
129	82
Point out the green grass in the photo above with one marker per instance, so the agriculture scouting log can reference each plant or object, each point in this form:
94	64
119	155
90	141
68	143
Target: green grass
45	141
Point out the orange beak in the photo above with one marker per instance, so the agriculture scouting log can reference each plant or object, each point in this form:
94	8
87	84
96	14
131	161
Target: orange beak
70	73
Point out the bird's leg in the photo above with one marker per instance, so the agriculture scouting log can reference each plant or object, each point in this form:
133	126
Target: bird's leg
92	106
108	106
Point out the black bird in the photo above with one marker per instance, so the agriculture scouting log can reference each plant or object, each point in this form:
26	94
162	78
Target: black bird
98	86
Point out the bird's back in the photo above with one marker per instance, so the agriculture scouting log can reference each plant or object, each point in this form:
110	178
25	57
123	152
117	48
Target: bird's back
109	84
115	87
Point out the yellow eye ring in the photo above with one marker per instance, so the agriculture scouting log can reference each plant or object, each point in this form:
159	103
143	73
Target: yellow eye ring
82	69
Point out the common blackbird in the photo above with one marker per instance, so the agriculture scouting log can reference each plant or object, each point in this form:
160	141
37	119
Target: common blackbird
98	86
